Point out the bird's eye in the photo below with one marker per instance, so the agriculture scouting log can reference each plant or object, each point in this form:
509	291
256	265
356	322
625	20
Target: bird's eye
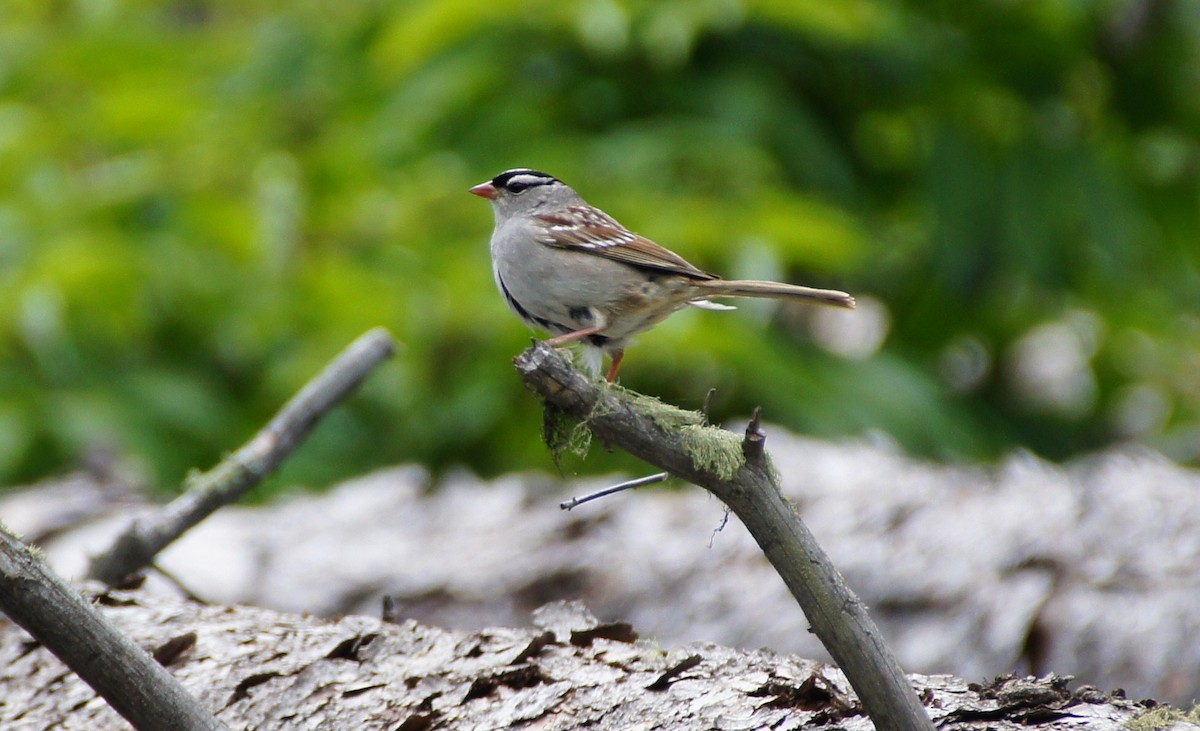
518	186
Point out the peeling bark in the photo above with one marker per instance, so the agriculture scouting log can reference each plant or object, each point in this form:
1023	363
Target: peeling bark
268	670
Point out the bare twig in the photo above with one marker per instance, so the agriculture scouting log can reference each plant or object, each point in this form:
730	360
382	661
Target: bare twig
179	584
755	443
234	476
126	676
706	409
627	485
739	473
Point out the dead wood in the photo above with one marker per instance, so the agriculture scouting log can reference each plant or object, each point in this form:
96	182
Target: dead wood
740	474
133	681
269	670
1023	566
238	473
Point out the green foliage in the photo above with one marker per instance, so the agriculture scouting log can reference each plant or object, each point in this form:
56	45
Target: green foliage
203	200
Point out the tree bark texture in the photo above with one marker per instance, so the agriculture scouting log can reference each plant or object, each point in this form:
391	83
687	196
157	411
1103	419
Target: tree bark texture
268	670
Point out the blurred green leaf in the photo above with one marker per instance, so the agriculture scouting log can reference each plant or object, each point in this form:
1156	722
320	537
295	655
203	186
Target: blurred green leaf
202	201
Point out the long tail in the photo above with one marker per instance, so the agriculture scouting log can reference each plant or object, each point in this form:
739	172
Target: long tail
770	290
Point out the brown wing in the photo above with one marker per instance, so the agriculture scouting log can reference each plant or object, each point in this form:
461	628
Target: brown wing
593	231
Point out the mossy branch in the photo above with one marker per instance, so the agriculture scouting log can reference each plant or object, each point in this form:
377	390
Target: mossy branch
238	473
738	471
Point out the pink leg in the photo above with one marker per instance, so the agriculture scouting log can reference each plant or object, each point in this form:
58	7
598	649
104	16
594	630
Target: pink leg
617	357
571	337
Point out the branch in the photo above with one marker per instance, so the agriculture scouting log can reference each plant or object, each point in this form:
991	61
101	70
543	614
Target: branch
575	502
238	473
132	682
739	473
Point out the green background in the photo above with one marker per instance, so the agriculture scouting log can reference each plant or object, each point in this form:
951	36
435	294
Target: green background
201	202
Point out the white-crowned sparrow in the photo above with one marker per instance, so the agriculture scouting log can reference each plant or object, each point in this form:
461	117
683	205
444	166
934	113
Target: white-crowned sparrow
570	269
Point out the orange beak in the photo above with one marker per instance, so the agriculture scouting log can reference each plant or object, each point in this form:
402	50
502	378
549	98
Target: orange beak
485	190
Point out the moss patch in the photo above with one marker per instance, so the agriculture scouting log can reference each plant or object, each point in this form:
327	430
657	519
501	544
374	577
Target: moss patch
1161	718
713	449
564	435
663	414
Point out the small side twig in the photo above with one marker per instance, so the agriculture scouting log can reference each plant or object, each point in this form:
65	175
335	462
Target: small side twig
127	676
627	485
234	476
706	409
755	442
179	584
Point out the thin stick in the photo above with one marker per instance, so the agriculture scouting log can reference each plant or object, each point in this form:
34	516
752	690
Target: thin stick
235	475
628	485
181	587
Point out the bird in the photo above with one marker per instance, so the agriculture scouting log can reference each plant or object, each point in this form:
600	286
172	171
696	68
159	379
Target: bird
570	269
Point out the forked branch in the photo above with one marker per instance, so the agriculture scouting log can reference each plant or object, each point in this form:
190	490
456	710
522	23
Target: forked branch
738	471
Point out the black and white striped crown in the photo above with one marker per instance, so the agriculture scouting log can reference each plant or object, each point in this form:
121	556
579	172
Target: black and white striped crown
519	179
